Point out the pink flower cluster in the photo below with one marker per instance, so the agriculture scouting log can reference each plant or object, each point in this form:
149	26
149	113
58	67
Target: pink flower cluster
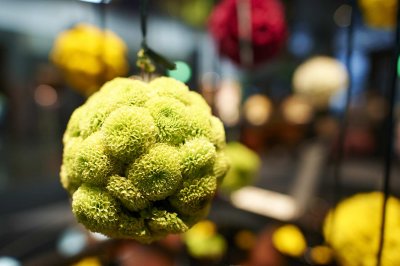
267	35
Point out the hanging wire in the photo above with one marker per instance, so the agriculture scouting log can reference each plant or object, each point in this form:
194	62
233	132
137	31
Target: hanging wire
389	126
143	21
243	8
101	10
344	119
148	58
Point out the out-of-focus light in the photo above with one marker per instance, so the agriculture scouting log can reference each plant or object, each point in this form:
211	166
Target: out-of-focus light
8	261
342	15
360	69
97	1
321	255
71	242
301	42
318	79
182	72
257	109
89	261
210	81
45	95
98	236
289	240
227	101
245	239
376	108
296	110
265	202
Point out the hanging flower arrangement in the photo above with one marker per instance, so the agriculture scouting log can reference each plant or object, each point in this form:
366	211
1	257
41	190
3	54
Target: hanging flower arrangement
245	165
379	13
204	241
261	30
89	56
143	160
318	79
353	230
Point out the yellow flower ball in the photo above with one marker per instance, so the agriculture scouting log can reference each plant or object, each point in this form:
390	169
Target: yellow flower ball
89	56
289	240
353	230
379	13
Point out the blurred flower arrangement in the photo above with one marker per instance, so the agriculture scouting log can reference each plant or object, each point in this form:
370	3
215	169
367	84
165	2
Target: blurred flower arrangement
379	13
245	164
89	56
203	241
289	240
194	12
353	230
318	79
266	29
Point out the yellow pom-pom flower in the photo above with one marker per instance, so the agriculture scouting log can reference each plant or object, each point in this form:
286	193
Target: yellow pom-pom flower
142	160
379	13
353	230
89	56
289	240
245	164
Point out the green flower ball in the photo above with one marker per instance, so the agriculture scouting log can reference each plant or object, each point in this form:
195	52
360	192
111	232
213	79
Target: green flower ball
143	160
245	165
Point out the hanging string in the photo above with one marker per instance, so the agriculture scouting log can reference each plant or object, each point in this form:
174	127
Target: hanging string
143	21
101	13
244	27
148	58
337	175
389	126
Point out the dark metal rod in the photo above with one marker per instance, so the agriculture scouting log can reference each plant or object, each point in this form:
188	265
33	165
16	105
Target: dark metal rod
344	120
337	176
389	126
143	20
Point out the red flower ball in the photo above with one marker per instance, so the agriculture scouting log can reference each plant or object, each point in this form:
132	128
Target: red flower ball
266	30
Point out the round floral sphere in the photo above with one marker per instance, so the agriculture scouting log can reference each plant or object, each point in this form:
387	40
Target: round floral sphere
318	79
289	240
89	56
204	241
142	160
353	230
245	165
379	13
267	29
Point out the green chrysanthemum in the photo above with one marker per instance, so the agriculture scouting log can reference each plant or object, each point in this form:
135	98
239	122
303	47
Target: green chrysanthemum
129	195
198	157
95	208
142	160
164	222
129	131
157	174
195	194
